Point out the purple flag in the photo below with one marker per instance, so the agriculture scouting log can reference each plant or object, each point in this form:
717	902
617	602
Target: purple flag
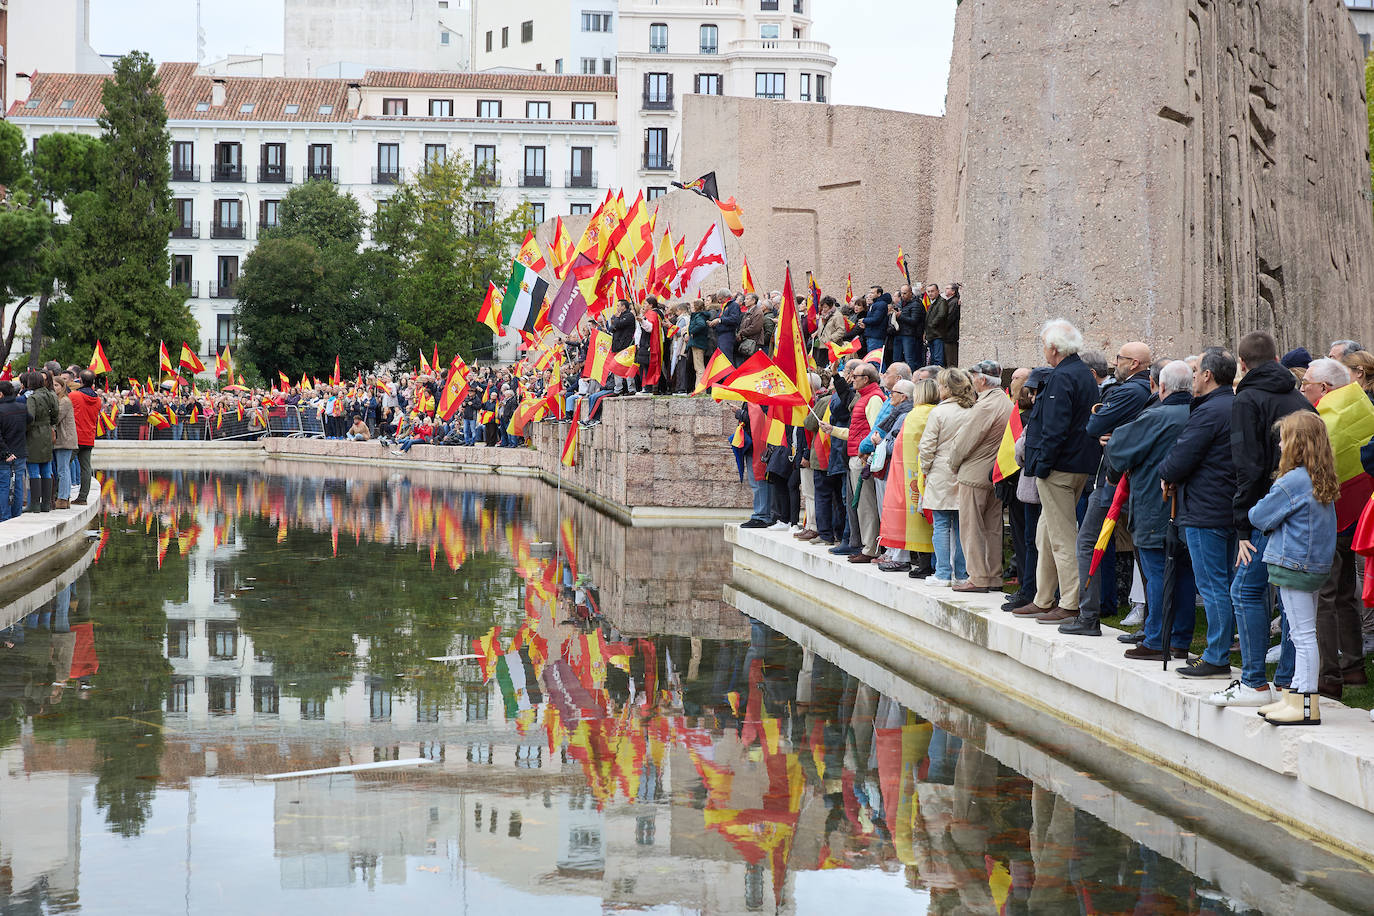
568	305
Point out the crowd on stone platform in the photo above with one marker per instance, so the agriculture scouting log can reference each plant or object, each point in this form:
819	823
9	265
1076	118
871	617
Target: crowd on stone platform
48	420
1236	475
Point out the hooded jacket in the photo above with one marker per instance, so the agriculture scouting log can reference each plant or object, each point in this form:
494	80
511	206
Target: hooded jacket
1137	449
911	319
1266	394
1199	463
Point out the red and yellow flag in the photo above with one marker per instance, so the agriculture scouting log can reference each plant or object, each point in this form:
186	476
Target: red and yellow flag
747	278
189	360
569	457
731	213
529	253
337	377
285	382
789	353
841	352
1123	490
164	359
455	388
99	363
623	363
1006	465
901	261
490	312
598	362
424	364
560	251
758	380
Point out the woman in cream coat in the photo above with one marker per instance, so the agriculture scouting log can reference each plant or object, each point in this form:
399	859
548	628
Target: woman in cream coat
941	494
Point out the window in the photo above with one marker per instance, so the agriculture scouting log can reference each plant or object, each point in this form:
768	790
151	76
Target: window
435	154
658	38
505	36
378	701
483	215
444	38
228	222
312	710
708	84
806	87
607	65
226	331
797	6
178	638
796	33
536	215
181	276
484	164
584	111
228	162
768	31
227	274
388	163
488	41
820	87
246	108
293	108
34	103
658	91
710	39
596	22
272	162
580	210
67	104
580	174
768	4
326	109
321	158
558	65
224	639
476	706
179	698
222	693
200	106
538	111
441	108
183	161
265	695
394	106
527	31
184	208
656	149
534	175
589	66
769	86
654	193
488	108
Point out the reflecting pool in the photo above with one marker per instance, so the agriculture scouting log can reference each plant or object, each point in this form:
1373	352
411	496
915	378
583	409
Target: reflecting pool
527	707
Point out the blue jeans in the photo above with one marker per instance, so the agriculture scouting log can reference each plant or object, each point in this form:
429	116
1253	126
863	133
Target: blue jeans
1184	598
471	432
1250	598
11	489
592	401
909	350
937	352
1213	551
949	553
763	503
40	470
63	457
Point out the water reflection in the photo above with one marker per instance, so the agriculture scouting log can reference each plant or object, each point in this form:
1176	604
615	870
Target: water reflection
603	734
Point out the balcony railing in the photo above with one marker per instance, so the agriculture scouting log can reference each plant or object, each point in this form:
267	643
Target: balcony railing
534	179
220	230
653	163
486	175
712	48
658	48
274	174
387	175
768	4
185	172
222	290
225	172
790	45
192	287
579	179
189	230
655	102
322	173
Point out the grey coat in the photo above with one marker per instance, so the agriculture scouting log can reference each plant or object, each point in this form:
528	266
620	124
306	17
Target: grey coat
42	407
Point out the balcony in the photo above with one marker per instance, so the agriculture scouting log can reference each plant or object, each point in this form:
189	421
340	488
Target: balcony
322	173
228	172
387	175
579	179
658	101
192	288
274	174
220	230
710	49
185	172
656	163
189	230
534	179
658	48
222	290
773	46
768	4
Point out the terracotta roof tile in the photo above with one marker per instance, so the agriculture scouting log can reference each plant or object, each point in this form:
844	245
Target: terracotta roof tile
516	82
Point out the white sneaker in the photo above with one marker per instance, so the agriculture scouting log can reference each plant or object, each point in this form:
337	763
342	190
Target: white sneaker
1272	656
1237	694
1136	617
940	583
780	526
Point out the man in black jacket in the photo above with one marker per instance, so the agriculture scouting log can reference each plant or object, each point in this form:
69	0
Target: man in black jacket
727	323
1198	471
1061	462
909	345
1266	394
622	338
14	452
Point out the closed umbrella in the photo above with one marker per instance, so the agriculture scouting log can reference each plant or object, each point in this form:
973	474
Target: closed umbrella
1173	547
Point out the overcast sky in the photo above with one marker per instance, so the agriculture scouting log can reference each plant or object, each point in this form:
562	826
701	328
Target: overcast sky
892	53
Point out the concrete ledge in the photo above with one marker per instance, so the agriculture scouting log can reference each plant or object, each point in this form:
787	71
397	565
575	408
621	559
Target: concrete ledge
1316	781
42	586
27	542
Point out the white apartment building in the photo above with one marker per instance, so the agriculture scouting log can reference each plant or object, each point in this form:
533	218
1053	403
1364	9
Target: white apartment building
39	35
552	35
345	38
239	144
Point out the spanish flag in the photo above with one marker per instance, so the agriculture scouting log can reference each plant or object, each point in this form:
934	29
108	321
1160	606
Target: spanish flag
164	359
285	382
598	361
730	212
570	443
189	360
337	377
455	388
1006	465
874	356
490	312
717	368
903	525
901	261
99	363
789	355
1123	490
848	288
424	364
529	253
747	279
157	421
758	380
560	250
841	352
488	649
623	363
1349	419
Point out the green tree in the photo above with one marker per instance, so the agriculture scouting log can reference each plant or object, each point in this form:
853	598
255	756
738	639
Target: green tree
308	292
116	249
441	238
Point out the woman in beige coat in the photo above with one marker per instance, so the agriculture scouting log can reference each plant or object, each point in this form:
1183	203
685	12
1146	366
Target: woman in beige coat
941	495
64	445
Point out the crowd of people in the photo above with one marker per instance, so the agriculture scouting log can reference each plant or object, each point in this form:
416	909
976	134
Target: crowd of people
48	420
1238	477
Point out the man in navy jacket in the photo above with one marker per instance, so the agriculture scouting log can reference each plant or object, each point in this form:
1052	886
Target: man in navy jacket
875	320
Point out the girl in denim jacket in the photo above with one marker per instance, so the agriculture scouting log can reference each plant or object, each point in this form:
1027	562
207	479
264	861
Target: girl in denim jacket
1299	515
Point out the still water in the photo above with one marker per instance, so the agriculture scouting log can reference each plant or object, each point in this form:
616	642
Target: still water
577	723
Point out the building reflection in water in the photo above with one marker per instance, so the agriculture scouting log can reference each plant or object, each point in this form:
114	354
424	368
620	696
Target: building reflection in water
622	738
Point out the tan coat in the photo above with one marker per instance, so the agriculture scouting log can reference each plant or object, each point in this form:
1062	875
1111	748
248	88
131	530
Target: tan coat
975	448
937	445
831	330
66	424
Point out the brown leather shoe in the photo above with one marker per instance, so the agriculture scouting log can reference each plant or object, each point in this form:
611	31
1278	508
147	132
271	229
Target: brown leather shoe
970	588
1030	610
78	502
807	535
1141	653
1056	615
1354	677
62	504
861	558
1330	687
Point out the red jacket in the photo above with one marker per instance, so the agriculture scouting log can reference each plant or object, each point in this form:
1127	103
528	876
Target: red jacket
85	408
859	430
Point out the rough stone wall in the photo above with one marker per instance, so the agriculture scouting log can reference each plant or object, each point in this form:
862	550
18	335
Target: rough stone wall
1176	170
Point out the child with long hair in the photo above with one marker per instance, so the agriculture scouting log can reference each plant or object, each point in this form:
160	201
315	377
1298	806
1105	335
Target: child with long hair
1299	515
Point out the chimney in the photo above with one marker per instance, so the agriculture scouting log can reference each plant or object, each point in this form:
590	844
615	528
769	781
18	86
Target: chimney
217	94
355	96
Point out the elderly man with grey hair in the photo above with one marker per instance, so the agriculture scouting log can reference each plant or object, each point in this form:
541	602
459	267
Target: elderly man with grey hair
1060	458
1341	347
867	401
1138	449
975	452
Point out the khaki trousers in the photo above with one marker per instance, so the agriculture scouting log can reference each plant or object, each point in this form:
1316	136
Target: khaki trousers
980	533
808	495
868	506
1056	538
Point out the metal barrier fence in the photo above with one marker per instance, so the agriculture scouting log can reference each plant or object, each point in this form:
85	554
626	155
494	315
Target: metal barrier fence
285	421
